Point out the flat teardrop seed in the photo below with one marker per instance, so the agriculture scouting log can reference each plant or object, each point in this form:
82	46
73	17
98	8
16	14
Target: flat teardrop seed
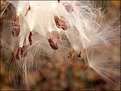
53	44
